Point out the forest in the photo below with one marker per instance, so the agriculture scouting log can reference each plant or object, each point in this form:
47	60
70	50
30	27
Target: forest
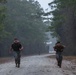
63	24
22	19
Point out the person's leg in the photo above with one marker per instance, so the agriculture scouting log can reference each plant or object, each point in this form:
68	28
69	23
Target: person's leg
16	62
15	56
57	58
18	59
60	60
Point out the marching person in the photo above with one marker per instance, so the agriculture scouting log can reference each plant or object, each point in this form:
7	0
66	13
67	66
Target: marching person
59	49
16	47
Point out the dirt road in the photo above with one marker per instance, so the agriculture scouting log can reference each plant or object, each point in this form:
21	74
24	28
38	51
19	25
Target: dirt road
38	65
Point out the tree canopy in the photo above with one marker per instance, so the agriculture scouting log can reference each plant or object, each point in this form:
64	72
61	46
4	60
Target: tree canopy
64	23
23	20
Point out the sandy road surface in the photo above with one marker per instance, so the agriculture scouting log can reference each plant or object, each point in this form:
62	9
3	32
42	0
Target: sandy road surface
38	65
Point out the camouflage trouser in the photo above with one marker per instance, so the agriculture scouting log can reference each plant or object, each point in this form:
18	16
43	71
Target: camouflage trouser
59	58
17	55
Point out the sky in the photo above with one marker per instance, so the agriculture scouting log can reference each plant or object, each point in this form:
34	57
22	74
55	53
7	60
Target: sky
44	4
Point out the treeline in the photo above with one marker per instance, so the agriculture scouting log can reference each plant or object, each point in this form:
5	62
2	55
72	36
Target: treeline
22	19
63	25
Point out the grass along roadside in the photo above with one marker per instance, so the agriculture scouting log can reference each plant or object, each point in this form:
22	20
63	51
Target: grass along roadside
5	59
68	58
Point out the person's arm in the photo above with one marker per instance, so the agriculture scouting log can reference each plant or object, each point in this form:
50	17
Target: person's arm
10	50
21	47
54	48
62	48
